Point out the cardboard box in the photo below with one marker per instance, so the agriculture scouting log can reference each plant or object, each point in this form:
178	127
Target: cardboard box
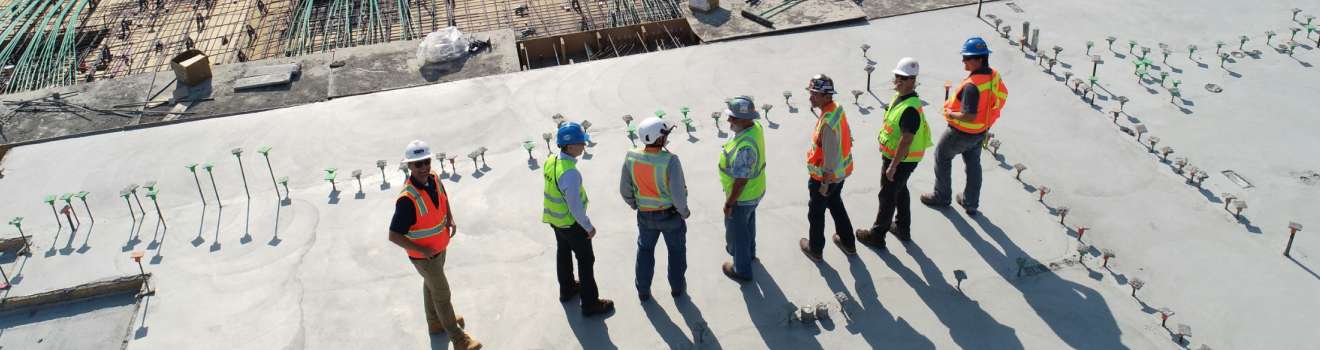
191	67
703	6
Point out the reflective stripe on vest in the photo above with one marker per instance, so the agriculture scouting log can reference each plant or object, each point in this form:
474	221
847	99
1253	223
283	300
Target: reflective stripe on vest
650	176
891	134
556	207
993	97
754	137
431	227
837	122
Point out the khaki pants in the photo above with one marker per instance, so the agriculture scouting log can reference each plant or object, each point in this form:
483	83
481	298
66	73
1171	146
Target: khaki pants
435	294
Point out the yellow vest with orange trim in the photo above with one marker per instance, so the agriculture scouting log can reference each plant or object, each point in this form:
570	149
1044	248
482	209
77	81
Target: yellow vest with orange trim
432	226
650	176
993	96
832	117
892	133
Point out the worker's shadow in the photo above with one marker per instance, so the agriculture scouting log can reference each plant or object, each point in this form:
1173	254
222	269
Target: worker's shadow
770	310
864	314
591	332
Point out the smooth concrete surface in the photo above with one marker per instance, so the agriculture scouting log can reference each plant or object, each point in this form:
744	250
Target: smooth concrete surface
888	8
94	323
726	22
318	272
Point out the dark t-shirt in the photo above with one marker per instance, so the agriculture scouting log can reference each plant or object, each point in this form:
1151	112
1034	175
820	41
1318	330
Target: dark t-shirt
405	211
910	121
969	96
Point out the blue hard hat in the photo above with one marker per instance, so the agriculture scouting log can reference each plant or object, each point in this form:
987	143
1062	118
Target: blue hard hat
975	46
571	133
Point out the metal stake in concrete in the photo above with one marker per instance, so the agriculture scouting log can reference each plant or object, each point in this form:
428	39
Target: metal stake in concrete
1238	206
476	154
1191	49
1006	29
82	195
1081	230
1199	176
137	257
528	145
1228	198
868	69
1292	232
1081	253
1219	44
1019	167
18	223
549	151
330	176
357	175
1132	45
994	147
868	47
559	119
627	120
1063	213
1309	18
1242	41
1049	69
1115	112
1295	11
1294	33
1043	190
978	9
440	161
1180	162
1153	140
1166	53
787	95
1066	75
68	203
51	200
1165	313
403	168
685	111
1163	75
1174	93
1021	264
1183	330
857	95
284	181
1089	44
1111	41
238	153
1141	129
152	194
125	193
1106	254
959	275
1191	172
265	152
1144	51
381	164
1269	34
208	166
1136	284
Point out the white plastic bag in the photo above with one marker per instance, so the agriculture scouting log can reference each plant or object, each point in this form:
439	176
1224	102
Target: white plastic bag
443	45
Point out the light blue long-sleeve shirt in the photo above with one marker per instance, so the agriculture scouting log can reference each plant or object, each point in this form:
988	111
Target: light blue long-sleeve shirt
569	184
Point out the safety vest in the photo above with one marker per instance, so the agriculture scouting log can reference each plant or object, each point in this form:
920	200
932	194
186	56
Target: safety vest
754	138
432	226
650	177
556	207
832	117
993	96
891	133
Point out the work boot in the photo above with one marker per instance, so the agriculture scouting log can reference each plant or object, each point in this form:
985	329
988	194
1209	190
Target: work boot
866	237
902	235
806	249
437	327
839	242
676	293
728	271
601	306
959	199
467	343
644	296
929	199
577	287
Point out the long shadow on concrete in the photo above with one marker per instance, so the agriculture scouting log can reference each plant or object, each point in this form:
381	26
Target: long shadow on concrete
664	325
591	332
1077	314
969	325
767	306
868	316
701	334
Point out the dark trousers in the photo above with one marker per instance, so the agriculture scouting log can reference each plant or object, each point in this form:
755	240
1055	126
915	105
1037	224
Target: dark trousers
573	241
832	200
894	198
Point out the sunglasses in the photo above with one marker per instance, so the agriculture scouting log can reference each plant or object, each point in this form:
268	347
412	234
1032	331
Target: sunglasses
900	77
422	163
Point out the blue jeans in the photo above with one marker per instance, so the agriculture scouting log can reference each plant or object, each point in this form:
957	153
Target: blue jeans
740	235
650	225
951	144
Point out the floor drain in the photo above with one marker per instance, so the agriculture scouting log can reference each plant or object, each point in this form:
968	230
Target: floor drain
1213	88
1237	179
1255	52
1238	54
1014	7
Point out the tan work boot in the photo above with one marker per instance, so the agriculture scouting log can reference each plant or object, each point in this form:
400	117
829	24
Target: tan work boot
467	343
805	245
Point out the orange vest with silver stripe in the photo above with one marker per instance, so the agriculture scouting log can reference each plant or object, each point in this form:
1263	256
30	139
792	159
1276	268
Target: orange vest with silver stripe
432	226
993	96
650	175
832	117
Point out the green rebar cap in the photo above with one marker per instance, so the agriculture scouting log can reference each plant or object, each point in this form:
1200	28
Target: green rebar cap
284	180
684	110
17	221
208	166
263	150
660	113
191	167
67	197
50	199
152	194
81	195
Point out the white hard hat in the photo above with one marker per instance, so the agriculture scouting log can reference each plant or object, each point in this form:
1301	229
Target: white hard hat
907	66
417	150
653	128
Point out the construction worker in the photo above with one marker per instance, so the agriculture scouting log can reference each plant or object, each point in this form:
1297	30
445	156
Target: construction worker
423	225
970	113
903	141
652	183
742	175
566	212
829	162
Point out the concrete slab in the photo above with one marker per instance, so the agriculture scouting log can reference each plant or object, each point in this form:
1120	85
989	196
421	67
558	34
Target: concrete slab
252	82
316	271
888	8
93	323
394	65
726	22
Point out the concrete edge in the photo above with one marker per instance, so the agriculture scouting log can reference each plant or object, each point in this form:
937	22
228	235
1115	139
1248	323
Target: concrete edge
121	284
932	9
790	30
7	243
6	147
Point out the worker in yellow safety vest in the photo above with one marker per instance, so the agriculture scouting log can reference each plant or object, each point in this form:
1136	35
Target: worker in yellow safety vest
422	225
970	113
566	212
742	175
829	162
903	140
652	183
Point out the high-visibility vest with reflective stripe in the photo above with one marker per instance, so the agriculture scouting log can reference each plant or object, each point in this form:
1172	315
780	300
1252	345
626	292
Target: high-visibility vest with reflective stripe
754	138
890	135
832	117
650	176
432	226
556	206
993	96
